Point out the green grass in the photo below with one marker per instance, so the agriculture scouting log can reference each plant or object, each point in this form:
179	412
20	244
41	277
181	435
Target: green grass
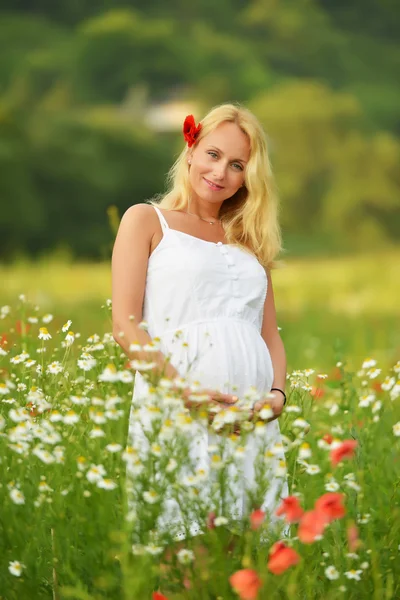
75	538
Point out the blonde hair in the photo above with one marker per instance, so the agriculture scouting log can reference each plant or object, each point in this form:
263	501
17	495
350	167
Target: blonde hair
249	217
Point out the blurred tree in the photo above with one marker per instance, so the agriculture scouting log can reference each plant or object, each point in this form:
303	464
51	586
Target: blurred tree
119	49
334	181
22	215
20	36
76	80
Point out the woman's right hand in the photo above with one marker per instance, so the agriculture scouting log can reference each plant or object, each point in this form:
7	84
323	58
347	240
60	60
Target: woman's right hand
211	397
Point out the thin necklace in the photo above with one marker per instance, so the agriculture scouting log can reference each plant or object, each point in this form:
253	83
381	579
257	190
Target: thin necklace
207	221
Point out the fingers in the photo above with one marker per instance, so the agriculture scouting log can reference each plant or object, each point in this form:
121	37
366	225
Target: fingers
226	398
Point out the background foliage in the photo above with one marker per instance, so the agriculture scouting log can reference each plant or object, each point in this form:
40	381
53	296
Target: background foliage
77	81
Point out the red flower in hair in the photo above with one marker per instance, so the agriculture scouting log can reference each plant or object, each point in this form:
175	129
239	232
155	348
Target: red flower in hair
190	131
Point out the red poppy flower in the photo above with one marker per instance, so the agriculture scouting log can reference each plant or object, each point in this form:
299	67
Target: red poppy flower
159	596
345	450
32	409
317	392
22	328
377	386
3	340
190	131
291	508
257	518
312	525
246	583
328	438
281	558
335	374
330	505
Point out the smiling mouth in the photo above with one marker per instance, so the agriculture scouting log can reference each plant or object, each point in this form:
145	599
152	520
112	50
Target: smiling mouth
212	185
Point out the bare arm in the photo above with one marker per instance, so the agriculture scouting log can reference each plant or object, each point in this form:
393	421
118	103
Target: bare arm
273	340
129	271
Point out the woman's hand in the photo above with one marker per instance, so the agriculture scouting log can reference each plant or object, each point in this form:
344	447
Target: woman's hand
207	397
275	400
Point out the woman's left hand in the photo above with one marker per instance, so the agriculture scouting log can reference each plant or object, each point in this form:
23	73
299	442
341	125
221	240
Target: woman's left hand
275	400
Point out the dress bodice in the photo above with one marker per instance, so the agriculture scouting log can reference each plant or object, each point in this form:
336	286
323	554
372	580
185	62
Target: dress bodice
191	280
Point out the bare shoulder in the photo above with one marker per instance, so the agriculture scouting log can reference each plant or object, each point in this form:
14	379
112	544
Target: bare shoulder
140	219
142	214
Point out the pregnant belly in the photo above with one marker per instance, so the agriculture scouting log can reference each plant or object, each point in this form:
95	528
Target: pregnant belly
228	355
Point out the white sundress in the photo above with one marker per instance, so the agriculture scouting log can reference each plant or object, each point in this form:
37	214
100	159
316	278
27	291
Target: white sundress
213	293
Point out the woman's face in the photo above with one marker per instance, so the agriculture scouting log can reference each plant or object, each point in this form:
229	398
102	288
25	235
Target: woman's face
218	163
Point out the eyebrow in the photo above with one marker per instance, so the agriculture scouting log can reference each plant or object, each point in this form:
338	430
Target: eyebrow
234	159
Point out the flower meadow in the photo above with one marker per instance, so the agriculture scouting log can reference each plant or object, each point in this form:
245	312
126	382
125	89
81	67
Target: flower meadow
80	502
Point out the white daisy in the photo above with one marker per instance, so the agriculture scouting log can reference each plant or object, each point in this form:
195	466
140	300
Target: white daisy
17	496
86	362
396	429
395	391
69	338
354	574
126	376
71	418
43	455
106	484
97	416
109	374
55	416
388	383
373	373
153	549
54	368
96	432
332	486
44	334
368	363
113	447
4	390
151	496
185	557
16	568
331	573
171	466
305	451
95	473
66	326
313	469
19	414
301	423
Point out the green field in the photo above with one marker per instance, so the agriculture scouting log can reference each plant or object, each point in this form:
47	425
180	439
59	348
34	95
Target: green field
348	305
67	529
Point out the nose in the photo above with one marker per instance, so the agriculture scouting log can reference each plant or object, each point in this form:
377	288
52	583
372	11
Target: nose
219	171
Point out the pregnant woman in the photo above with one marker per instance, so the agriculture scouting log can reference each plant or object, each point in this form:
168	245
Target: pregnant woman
194	266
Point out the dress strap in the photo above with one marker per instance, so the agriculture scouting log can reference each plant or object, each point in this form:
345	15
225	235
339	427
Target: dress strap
164	224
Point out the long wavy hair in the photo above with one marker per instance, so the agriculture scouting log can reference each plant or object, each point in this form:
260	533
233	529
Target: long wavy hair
249	217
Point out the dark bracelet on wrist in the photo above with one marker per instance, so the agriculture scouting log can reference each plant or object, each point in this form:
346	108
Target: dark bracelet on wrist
282	392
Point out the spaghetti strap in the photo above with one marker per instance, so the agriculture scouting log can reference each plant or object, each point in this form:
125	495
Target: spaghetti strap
164	224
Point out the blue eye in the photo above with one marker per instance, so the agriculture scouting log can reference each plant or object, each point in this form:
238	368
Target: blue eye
215	155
